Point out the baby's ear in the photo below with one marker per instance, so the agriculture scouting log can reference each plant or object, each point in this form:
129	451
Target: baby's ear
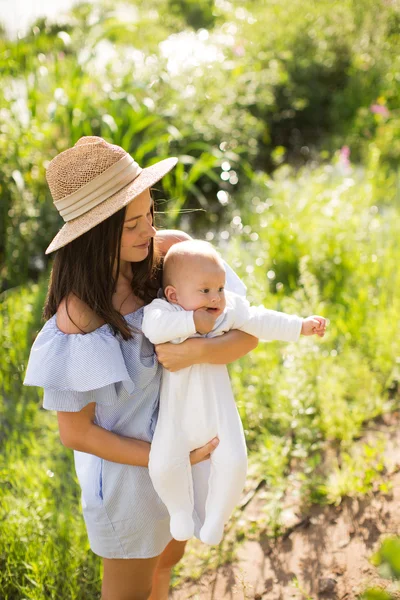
170	294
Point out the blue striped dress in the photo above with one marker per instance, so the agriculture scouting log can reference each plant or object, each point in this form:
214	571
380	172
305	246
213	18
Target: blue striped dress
124	516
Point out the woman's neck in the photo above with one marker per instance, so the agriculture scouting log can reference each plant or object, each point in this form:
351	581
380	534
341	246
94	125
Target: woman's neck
124	299
123	285
125	273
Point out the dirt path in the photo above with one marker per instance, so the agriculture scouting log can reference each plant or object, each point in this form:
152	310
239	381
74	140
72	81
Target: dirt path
327	551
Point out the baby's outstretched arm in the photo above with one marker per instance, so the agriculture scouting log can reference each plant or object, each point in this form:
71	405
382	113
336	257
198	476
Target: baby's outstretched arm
271	325
163	322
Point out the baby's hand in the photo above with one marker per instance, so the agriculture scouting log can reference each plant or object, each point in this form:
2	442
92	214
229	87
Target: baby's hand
314	325
204	320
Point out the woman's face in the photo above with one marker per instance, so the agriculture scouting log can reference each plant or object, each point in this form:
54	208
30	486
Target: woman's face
138	229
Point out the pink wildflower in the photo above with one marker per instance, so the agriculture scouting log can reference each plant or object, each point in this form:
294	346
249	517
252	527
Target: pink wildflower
239	50
344	158
379	109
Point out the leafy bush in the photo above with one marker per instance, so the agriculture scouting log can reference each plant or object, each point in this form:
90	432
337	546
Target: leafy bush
230	101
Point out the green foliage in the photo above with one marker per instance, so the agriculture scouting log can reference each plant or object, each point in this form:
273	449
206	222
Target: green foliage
360	472
319	242
230	102
376	594
387	559
196	14
388	556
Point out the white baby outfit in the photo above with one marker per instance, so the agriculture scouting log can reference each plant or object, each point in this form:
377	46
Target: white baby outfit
196	405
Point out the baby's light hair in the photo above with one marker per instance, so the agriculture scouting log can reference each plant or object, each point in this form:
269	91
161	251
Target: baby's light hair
178	258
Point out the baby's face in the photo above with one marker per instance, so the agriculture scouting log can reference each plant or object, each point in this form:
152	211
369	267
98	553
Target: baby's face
202	287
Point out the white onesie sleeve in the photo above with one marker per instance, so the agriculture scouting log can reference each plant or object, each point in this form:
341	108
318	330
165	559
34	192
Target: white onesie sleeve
165	322
265	324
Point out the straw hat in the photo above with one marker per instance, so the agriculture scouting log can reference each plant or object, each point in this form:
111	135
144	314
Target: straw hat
92	181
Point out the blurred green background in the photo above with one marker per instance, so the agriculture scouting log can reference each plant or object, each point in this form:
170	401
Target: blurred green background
285	117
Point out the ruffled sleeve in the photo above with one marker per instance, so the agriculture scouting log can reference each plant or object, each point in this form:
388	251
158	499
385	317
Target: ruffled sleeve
76	369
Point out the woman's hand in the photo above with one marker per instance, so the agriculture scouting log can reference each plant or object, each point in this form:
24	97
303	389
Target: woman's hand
174	357
204	452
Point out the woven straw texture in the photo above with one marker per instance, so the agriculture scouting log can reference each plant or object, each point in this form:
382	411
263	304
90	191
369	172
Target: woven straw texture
77	166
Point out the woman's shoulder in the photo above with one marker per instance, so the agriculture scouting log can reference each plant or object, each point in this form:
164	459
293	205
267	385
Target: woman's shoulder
89	360
75	316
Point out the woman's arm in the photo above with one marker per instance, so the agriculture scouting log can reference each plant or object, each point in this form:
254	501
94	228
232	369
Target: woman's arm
219	350
79	432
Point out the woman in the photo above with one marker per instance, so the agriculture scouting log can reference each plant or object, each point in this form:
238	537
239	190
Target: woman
98	371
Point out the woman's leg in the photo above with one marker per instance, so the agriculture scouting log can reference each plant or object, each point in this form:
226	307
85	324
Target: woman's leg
168	559
128	579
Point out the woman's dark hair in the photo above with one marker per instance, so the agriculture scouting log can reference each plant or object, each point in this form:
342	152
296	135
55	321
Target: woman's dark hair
86	268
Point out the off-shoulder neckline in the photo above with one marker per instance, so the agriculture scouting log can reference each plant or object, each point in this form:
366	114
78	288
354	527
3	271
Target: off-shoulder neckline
105	328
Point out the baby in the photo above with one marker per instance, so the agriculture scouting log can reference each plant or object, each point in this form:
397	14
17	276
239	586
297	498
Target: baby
197	403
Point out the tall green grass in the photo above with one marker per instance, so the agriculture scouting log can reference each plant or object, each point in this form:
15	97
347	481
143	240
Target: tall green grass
44	552
322	241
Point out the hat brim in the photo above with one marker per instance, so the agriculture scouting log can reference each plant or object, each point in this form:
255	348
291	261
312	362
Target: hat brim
77	227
